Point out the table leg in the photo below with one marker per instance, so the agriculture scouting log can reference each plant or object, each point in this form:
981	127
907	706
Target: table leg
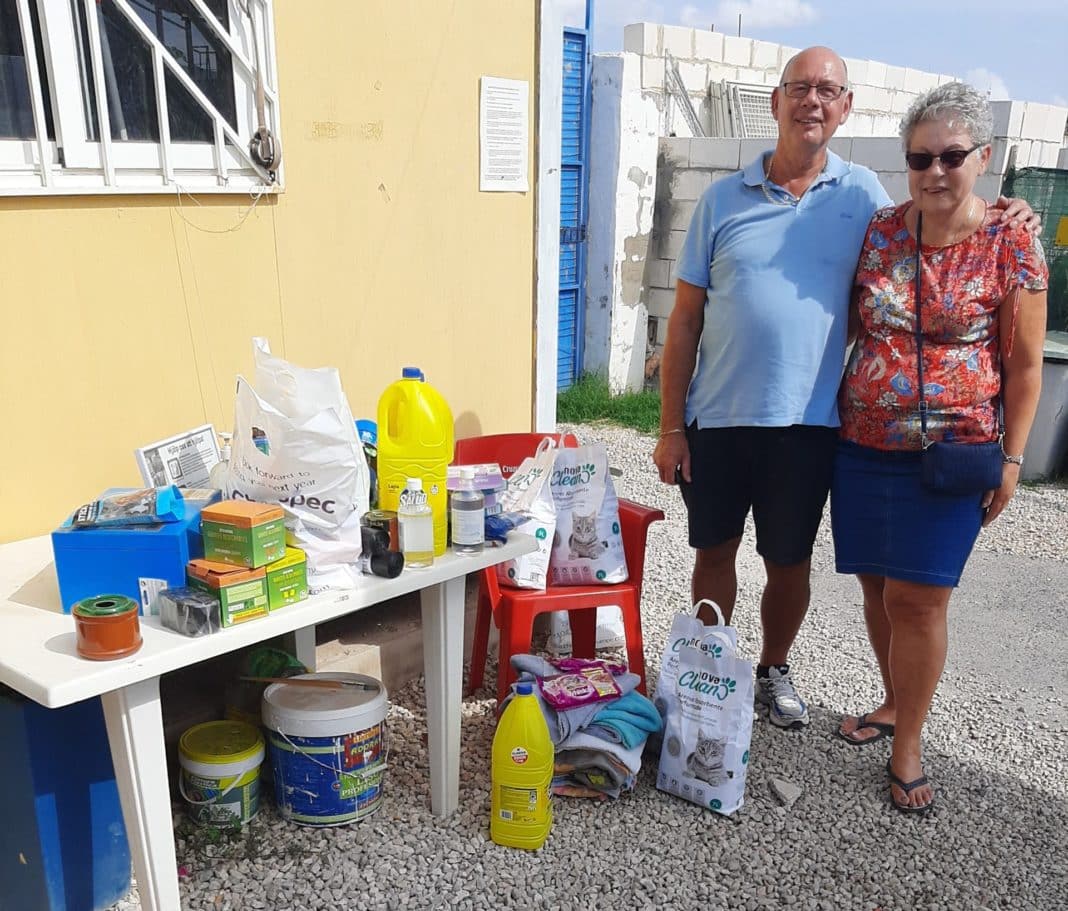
135	732
443	660
304	646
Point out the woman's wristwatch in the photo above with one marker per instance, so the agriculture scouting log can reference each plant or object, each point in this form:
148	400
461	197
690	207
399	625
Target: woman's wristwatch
1011	459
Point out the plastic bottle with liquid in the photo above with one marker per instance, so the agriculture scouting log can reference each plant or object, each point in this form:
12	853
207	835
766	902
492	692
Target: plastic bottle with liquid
468	515
415	440
416	522
521	813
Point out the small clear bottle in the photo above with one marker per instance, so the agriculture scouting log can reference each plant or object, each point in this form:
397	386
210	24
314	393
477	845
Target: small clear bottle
416	523
468	515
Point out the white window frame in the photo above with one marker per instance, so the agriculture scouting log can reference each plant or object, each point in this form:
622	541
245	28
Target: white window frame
72	164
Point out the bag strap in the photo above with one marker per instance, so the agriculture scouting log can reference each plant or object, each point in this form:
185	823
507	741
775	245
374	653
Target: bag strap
924	441
714	606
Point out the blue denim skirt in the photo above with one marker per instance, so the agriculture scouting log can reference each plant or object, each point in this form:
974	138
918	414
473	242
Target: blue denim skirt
885	523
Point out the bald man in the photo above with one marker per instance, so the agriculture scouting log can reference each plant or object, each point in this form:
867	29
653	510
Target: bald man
761	309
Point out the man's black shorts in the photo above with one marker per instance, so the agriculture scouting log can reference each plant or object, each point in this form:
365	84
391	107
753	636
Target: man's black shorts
782	473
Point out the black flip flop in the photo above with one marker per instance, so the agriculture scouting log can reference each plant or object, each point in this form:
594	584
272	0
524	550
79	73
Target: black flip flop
884	730
908	787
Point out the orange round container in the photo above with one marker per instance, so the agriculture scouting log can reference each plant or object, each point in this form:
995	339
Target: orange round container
107	626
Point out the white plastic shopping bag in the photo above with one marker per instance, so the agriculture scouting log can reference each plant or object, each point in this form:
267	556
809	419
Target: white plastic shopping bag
295	444
529	493
706	699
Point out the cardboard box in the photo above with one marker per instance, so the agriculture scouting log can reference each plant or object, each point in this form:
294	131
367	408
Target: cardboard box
287	579
135	560
242	592
243	533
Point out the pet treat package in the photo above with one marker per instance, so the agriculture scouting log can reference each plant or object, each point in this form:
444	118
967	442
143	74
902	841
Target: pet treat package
295	444
588	547
529	493
707	704
148	506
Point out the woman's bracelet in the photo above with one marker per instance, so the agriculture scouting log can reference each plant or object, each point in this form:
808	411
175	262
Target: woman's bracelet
1011	459
664	433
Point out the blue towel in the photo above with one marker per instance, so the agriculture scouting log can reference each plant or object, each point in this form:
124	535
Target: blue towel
632	716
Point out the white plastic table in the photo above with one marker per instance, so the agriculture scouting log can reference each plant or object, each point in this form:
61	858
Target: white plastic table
38	658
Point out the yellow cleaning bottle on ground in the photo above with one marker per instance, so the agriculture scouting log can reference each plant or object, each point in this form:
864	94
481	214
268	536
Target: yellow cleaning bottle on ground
415	440
522	774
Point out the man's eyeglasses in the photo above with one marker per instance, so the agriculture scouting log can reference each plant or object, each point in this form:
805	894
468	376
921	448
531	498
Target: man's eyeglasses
951	159
825	91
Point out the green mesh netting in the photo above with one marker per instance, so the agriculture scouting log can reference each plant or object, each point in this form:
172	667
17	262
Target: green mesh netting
1046	189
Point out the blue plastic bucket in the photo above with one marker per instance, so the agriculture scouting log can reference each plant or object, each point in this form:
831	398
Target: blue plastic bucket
328	749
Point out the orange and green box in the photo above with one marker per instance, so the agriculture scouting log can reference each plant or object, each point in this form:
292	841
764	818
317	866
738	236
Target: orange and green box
242	592
243	533
287	579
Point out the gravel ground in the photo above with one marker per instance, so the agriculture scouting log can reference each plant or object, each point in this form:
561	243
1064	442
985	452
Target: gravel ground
995	749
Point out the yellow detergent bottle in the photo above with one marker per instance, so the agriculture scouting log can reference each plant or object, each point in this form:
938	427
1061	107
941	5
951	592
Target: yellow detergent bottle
415	440
522	774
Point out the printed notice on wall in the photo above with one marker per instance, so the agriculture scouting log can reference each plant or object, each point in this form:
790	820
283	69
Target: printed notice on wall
503	135
185	460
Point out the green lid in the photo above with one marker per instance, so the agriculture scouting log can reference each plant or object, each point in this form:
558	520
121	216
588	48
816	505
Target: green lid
105	606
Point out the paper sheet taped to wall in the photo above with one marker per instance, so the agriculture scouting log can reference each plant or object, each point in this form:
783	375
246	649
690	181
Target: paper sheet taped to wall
504	128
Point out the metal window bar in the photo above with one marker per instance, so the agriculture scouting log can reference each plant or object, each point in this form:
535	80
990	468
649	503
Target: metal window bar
222	129
677	89
750	109
29	49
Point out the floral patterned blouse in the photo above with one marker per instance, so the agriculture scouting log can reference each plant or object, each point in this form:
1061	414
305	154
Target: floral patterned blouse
962	286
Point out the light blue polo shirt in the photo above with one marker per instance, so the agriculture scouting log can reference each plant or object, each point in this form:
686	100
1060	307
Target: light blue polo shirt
778	280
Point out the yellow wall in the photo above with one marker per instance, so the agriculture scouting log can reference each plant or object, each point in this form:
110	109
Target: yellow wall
125	320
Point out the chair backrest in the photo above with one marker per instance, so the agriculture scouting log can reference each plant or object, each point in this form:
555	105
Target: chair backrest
506	449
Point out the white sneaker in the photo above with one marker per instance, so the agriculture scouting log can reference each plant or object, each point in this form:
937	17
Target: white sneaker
785	708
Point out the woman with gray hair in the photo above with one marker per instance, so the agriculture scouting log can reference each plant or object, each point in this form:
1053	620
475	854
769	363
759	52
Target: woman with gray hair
949	307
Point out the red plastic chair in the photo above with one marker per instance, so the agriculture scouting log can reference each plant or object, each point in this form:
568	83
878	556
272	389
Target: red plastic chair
514	609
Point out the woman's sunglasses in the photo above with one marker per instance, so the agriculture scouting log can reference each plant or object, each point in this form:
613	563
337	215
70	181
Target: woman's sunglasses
951	160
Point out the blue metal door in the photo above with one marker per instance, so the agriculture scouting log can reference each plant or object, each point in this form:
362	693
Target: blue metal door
574	202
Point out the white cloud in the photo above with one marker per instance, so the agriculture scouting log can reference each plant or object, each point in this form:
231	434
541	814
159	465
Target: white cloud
990	83
763	14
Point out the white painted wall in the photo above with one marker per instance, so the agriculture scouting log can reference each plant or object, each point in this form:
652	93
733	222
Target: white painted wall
622	196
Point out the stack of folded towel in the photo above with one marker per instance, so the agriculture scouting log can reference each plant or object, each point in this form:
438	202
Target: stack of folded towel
598	743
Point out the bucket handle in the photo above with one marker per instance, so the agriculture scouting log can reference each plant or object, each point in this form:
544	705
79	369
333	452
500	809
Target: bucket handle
357	773
233	784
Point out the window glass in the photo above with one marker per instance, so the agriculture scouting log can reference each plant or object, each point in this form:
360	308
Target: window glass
16	112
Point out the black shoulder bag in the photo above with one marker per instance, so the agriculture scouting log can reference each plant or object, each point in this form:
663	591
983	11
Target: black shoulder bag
953	468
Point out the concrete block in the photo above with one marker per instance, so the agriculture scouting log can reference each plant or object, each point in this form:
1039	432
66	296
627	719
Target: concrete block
714	153
900	101
765	55
678	41
1023	153
750	149
753	76
842	146
642	38
1034	121
1016	116
357	658
657	273
886	125
720	72
708	45
897	185
999	156
1047	154
857	70
917	81
671	244
737	51
1056	121
876	74
659	302
653	73
988	186
679	213
786	53
1062	159
694	77
879	154
895	77
675	152
689	184
673	279
943	78
865	98
860	125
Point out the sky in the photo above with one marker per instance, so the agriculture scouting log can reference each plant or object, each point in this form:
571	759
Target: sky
1016	50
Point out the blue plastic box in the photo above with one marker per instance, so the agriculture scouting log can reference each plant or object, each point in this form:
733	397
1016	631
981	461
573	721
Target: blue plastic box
136	561
63	844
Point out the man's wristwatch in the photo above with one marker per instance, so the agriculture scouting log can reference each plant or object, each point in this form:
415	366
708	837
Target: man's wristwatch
1011	459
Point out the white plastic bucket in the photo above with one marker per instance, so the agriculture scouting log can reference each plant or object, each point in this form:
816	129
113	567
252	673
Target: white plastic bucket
220	772
328	748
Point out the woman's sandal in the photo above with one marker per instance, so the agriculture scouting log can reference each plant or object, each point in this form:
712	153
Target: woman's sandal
884	730
908	787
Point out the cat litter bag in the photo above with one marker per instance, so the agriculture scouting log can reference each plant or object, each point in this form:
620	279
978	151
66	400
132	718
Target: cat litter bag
529	493
588	547
705	752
